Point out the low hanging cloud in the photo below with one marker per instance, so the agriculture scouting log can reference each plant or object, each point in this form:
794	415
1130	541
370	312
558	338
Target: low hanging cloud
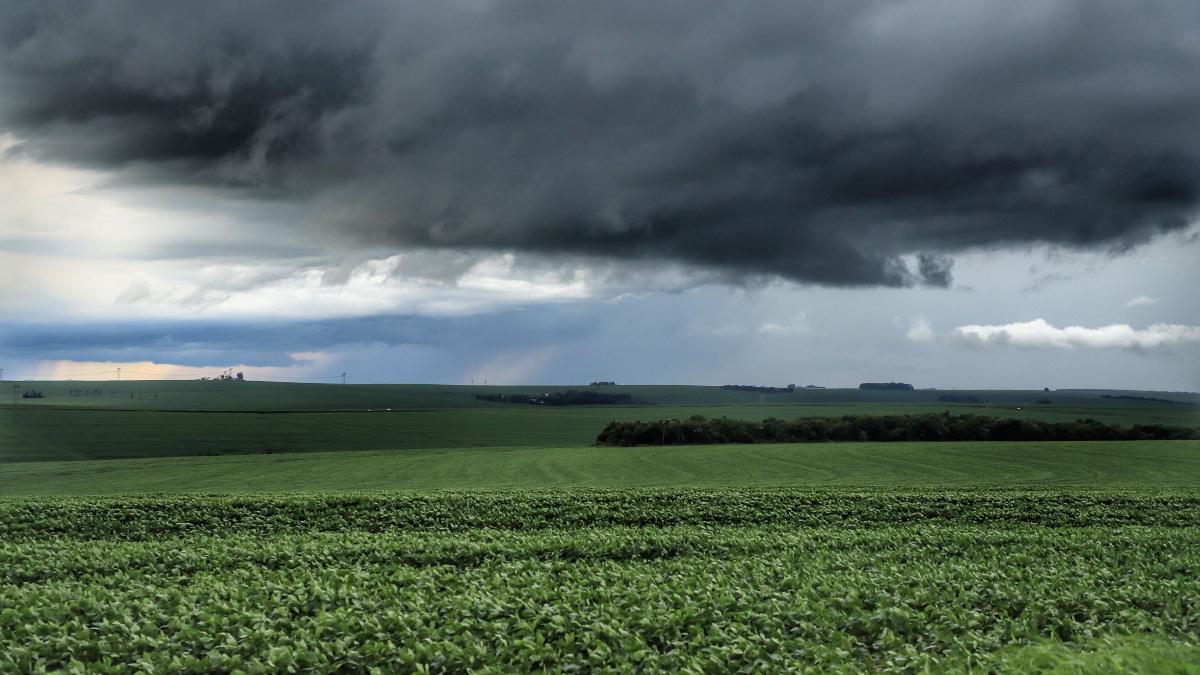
848	143
1039	334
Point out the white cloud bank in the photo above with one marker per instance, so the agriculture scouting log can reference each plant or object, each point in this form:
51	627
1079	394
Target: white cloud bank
1041	334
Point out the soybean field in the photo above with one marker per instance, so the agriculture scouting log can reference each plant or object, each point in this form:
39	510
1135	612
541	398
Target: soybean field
276	528
682	580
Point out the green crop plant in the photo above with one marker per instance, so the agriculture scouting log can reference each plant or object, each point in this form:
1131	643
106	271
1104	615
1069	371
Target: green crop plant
626	580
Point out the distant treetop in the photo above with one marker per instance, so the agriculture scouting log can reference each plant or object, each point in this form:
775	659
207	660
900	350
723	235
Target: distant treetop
898	386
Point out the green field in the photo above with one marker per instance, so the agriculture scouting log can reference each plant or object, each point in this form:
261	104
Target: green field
222	527
230	395
705	581
1077	465
150	419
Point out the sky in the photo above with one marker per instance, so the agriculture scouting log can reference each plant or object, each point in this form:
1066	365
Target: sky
976	194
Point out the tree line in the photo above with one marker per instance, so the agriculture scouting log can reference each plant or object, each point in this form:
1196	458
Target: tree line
569	397
890	386
1148	398
759	390
699	430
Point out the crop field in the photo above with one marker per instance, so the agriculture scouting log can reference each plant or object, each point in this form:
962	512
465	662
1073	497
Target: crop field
282	528
283	396
1066	465
153	419
698	580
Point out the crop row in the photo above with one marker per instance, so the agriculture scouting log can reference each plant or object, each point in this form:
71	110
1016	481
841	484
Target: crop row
715	599
133	518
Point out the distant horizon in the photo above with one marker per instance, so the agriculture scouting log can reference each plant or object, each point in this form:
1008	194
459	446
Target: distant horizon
329	380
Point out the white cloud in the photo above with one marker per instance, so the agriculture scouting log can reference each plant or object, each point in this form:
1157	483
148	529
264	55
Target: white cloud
796	328
919	330
136	291
1142	301
1041	334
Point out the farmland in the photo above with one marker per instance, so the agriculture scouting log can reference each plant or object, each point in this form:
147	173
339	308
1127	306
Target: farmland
695	579
276	527
151	419
1066	465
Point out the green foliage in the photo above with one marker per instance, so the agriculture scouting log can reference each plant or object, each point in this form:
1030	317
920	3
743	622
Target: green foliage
699	430
153	517
697	581
1107	655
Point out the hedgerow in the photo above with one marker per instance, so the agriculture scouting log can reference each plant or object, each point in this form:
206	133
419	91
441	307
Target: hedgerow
699	430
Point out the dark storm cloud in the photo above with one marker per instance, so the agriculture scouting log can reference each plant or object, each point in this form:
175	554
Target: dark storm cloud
821	142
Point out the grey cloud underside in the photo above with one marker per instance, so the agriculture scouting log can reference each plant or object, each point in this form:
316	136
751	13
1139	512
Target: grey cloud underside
819	142
274	343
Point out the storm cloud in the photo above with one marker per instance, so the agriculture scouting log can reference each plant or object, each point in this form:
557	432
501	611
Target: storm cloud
277	343
848	143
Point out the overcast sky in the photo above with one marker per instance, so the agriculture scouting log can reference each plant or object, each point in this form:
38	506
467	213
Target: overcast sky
952	194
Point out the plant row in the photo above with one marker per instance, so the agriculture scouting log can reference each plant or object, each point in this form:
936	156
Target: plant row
691	599
133	518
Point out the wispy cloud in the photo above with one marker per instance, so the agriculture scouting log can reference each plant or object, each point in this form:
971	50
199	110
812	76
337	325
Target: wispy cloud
1041	334
798	327
1142	301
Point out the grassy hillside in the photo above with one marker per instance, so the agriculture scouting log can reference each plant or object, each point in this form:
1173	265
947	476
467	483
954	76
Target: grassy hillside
1094	465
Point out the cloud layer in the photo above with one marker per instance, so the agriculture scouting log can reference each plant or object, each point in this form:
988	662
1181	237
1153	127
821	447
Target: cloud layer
1040	334
850	143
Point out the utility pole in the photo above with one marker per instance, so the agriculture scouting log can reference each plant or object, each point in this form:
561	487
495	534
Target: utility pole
343	378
